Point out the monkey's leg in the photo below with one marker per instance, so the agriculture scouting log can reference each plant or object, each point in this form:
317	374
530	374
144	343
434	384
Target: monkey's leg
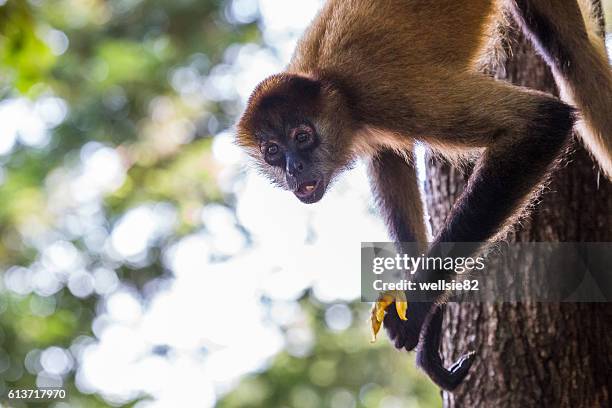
575	51
394	182
523	133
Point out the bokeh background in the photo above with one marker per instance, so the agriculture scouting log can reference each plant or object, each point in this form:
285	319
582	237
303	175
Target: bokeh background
142	262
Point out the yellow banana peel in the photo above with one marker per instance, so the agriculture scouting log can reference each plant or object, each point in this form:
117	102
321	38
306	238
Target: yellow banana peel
381	305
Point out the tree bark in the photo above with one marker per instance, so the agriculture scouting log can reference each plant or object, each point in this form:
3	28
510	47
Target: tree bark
534	354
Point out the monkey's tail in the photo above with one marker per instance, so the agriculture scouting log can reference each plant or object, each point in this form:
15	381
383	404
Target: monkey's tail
588	85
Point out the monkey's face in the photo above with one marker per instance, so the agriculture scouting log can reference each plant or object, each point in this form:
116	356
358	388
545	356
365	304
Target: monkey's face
292	127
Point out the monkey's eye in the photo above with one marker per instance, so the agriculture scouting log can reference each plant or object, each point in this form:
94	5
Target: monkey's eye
272	150
302	138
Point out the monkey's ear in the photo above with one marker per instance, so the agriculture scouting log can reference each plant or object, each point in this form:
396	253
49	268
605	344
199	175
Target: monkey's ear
285	86
281	91
278	96
304	86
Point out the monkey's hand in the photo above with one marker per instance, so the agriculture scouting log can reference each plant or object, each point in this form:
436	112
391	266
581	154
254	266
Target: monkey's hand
403	329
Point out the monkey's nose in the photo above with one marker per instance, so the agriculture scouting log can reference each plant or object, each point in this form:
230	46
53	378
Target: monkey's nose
294	166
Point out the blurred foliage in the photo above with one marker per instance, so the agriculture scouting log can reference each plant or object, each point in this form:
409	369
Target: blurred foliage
111	63
115	65
342	370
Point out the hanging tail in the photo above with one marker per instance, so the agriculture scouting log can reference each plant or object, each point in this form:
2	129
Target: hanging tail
569	35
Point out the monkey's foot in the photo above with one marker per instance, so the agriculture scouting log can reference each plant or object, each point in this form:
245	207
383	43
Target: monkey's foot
379	309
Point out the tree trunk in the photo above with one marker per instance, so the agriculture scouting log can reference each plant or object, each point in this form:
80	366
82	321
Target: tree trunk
534	354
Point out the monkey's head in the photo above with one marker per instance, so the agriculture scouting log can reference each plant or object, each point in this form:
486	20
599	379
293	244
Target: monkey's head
297	130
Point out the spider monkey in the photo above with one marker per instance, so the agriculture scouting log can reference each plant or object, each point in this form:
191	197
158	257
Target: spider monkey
372	78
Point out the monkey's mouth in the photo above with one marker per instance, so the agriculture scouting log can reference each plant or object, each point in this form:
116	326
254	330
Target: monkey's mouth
309	191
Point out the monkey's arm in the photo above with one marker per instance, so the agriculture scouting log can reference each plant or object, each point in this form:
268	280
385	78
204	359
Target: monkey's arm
394	182
395	185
